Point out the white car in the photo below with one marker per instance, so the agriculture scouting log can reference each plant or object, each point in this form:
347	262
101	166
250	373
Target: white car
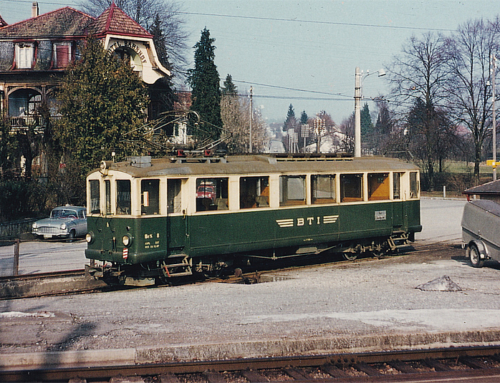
64	222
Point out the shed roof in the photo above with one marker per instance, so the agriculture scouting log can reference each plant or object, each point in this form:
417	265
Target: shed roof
490	188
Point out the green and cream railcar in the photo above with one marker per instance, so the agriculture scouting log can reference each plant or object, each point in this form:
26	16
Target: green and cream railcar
151	219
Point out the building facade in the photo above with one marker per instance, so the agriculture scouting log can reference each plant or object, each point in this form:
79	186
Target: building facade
34	54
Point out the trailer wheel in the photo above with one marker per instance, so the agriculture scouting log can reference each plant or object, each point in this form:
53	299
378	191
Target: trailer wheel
475	257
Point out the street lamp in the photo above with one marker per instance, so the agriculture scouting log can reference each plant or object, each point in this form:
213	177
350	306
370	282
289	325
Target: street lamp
357	107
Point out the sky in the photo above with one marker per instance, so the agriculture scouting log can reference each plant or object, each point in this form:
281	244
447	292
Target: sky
304	53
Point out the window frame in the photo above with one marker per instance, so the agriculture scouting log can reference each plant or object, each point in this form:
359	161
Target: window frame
25	53
333	182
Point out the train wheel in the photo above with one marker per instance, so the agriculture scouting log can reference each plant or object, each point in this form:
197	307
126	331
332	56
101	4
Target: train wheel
378	253
350	256
475	257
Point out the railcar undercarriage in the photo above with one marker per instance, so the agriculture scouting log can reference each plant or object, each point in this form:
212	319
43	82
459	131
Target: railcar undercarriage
179	266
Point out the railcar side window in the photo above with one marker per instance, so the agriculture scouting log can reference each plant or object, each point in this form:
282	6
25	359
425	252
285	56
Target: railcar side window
122	197
94	197
378	186
323	189
254	192
174	196
351	187
396	187
414	185
212	194
292	190
107	186
150	197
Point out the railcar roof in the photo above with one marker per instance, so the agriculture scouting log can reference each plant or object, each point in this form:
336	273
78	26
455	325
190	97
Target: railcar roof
258	164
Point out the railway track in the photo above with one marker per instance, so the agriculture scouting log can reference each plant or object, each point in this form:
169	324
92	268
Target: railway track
481	364
75	282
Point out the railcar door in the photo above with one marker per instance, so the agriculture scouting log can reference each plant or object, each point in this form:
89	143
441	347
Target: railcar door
399	213
177	222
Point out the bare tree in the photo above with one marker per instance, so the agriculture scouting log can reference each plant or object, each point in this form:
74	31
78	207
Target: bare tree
469	53
235	113
420	73
145	13
347	130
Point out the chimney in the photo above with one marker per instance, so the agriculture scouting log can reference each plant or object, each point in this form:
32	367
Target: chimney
34	9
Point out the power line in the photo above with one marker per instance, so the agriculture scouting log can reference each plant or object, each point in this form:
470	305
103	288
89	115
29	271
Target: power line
316	22
287	88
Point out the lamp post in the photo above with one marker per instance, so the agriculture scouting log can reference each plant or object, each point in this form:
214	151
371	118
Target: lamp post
357	108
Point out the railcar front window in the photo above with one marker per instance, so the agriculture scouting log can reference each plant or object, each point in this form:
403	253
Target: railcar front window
323	189
351	187
95	199
396	189
150	197
254	192
107	186
212	194
378	187
414	185
292	190
174	196
123	197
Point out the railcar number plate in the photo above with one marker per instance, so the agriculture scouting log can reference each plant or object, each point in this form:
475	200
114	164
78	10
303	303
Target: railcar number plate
380	215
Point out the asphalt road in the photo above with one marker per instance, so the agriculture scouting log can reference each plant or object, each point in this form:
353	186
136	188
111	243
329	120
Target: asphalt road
440	220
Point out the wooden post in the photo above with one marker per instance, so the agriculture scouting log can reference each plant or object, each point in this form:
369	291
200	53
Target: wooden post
16	258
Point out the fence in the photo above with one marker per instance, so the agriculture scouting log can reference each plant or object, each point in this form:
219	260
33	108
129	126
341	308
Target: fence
14	229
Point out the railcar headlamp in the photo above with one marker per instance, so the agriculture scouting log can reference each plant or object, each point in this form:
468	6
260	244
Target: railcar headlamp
89	237
127	240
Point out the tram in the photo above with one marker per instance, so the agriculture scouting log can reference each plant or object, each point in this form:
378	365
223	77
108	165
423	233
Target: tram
153	219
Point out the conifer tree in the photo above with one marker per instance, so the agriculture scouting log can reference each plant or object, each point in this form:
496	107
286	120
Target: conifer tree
229	89
303	117
290	121
102	101
206	93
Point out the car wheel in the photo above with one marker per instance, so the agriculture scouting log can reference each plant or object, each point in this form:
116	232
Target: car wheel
475	257
71	236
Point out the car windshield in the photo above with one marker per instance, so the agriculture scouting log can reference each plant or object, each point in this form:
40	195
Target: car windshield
63	213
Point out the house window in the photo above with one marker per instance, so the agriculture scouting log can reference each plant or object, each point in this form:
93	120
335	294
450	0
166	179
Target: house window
62	55
24	55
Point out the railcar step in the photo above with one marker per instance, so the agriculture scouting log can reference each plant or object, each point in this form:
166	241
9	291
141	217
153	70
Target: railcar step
177	256
172	265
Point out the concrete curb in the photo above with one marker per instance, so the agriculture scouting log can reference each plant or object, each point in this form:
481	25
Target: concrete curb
238	350
36	360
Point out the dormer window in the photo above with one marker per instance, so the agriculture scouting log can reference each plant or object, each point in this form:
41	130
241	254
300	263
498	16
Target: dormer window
62	55
24	55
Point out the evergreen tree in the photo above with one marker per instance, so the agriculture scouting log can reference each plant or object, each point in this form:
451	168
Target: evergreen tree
366	121
206	93
229	89
102	101
163	90
290	121
303	118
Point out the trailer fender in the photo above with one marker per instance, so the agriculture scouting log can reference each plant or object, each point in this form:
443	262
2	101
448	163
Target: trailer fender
483	251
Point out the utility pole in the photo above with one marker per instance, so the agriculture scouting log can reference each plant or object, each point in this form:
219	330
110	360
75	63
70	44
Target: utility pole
251	112
357	113
494	113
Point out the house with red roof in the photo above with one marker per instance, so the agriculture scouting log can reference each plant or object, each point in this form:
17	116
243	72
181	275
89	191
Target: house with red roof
34	54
